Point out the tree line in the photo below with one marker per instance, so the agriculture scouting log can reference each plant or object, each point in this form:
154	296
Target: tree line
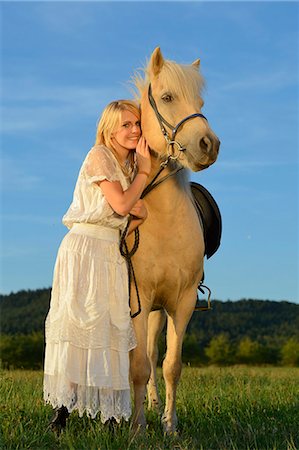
247	331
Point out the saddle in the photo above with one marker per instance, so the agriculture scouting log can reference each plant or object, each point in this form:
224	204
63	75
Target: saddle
209	217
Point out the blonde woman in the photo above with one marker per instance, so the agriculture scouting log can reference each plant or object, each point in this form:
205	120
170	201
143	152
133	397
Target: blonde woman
88	328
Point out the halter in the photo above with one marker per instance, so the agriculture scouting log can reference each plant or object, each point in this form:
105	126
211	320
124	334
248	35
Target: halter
171	142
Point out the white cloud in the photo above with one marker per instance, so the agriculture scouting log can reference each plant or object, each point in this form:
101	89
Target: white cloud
63	17
247	164
17	178
30	105
269	81
18	252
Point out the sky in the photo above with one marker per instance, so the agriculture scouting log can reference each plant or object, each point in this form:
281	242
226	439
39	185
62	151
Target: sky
62	62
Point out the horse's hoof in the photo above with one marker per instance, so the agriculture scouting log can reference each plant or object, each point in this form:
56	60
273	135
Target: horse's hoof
169	427
58	421
170	431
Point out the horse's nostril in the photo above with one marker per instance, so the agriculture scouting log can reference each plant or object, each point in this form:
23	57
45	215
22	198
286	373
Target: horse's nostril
205	144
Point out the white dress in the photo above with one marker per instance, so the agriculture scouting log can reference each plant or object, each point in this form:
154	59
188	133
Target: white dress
88	328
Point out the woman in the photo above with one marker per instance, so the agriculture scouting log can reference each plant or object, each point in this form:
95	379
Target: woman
88	328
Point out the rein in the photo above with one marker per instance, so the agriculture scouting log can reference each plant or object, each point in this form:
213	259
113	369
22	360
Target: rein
171	143
155	183
123	247
127	254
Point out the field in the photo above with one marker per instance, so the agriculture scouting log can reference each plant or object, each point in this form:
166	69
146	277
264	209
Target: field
234	408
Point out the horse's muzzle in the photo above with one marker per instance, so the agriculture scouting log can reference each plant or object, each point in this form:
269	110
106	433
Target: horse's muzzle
209	147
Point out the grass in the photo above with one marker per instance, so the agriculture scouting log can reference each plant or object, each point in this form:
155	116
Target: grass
234	408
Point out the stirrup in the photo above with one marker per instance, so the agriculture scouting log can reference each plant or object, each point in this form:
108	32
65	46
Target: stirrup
198	305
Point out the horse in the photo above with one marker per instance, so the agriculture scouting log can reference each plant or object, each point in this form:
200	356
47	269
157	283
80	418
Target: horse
169	261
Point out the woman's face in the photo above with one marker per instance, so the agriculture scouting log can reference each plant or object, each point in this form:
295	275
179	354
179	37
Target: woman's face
128	133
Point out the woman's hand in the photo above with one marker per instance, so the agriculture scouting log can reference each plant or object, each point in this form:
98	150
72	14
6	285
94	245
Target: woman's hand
143	156
139	215
139	210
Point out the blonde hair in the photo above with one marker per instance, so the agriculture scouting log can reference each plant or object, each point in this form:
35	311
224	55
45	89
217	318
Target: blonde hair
110	120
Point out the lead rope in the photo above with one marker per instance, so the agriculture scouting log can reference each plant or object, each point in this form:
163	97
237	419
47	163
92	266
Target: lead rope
170	144
127	254
123	247
124	251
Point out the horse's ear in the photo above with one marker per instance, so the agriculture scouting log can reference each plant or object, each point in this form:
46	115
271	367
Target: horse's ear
196	63
156	61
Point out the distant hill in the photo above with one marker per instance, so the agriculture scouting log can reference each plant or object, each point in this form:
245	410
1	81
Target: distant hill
24	311
262	320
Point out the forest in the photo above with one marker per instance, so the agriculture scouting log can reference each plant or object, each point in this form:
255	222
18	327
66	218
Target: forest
247	331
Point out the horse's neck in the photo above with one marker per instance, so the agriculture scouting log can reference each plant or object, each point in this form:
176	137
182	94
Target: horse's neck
172	192
156	167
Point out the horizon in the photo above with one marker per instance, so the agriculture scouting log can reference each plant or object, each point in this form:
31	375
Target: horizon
212	299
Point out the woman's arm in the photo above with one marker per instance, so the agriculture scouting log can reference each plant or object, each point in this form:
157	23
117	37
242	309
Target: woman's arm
123	201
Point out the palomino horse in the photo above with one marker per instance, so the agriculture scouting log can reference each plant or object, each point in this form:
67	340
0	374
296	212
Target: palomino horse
169	261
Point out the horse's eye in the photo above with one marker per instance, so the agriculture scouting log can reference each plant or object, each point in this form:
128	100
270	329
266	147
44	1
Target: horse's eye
167	98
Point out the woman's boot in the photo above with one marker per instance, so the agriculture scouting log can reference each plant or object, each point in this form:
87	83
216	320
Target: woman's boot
58	421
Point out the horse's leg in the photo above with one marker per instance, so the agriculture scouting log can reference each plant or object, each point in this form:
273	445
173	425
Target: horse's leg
156	322
139	370
172	365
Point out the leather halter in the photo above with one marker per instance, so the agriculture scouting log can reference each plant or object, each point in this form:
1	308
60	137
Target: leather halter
174	129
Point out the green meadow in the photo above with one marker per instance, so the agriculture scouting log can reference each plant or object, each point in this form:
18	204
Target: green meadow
230	408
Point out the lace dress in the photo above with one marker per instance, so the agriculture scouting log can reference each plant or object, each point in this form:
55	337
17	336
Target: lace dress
88	328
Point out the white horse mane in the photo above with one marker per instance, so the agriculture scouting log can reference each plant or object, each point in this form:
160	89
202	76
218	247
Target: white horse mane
185	81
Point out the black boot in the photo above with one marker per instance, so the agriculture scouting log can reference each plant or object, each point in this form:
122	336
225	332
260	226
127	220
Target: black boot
111	424
58	421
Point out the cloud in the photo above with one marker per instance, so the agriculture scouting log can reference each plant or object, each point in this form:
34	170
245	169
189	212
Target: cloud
266	81
30	105
248	165
63	17
19	252
16	178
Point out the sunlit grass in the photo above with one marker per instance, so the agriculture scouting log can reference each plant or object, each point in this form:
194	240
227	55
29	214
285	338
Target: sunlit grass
218	408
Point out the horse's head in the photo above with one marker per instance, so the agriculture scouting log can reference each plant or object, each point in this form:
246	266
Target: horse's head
171	112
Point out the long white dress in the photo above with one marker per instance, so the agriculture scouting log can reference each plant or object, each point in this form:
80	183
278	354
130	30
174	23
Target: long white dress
88	328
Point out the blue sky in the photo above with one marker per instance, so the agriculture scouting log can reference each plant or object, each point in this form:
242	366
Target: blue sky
62	62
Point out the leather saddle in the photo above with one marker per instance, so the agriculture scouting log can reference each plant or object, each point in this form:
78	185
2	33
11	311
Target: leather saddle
209	217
